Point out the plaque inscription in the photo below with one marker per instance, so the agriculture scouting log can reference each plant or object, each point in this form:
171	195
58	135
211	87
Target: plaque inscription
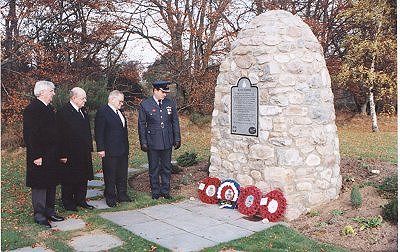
244	108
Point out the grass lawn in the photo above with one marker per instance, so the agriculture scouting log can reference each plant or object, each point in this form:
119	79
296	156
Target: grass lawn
18	229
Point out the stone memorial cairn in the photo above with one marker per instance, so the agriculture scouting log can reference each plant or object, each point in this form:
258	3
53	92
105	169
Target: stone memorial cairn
294	145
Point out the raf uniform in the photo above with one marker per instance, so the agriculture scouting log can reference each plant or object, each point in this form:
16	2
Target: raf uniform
159	131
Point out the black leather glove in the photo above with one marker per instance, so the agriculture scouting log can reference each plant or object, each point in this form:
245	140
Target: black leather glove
144	147
177	145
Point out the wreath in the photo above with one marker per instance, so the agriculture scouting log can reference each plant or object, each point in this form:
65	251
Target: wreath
273	206
207	190
228	193
249	200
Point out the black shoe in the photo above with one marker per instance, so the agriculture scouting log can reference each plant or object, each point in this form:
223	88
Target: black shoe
155	196
56	218
74	209
111	203
44	223
86	205
167	196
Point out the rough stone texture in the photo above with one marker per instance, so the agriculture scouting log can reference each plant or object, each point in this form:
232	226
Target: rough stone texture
95	241
297	148
68	224
93	193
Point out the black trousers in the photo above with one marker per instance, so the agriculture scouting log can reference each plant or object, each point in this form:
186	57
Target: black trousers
115	171
73	193
43	202
159	167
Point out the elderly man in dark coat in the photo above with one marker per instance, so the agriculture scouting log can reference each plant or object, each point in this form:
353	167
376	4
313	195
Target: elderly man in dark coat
76	148
40	136
158	128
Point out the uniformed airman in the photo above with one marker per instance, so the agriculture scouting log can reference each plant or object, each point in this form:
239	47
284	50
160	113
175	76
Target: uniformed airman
159	131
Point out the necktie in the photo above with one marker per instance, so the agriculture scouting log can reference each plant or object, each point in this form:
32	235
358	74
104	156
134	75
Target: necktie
120	117
80	111
160	103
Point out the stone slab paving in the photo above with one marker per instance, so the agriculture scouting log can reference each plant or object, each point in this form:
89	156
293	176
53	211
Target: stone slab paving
99	175
144	166
68	224
98	204
95	183
187	226
95	241
92	193
30	249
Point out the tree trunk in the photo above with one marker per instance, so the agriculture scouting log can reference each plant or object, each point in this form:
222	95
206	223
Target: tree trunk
11	32
363	107
374	118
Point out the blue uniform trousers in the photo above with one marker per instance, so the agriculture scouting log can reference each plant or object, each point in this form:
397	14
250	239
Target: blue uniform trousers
159	167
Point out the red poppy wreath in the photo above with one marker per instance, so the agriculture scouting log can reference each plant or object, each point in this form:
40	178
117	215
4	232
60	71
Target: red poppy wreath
207	190
273	206
249	200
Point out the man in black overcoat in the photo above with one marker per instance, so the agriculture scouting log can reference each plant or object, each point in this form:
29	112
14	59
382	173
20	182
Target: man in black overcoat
42	166
76	148
158	128
111	134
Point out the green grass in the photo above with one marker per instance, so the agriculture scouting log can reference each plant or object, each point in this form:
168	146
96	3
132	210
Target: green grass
380	145
276	238
18	229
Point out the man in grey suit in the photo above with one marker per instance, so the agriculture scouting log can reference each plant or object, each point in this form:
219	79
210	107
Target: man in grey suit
159	131
42	166
111	134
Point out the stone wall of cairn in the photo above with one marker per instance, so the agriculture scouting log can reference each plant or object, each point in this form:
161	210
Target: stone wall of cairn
297	148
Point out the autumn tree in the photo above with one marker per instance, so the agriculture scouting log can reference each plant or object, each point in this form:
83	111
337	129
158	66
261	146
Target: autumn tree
369	66
57	40
190	36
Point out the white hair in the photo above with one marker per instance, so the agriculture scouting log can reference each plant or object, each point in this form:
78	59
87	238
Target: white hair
76	91
115	94
41	86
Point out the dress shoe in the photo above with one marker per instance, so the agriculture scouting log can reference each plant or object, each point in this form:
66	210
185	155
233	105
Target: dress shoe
111	203
167	196
155	196
44	223
87	206
56	217
124	199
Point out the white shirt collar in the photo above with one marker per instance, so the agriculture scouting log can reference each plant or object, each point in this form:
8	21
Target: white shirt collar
73	105
112	107
43	101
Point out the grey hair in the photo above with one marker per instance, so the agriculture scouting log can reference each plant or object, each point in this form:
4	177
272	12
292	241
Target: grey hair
41	86
76	91
115	94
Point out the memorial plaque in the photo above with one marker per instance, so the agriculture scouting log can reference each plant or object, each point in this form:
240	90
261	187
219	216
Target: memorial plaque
244	108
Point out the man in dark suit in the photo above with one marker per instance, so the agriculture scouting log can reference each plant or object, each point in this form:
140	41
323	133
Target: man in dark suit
76	148
111	133
42	167
158	128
